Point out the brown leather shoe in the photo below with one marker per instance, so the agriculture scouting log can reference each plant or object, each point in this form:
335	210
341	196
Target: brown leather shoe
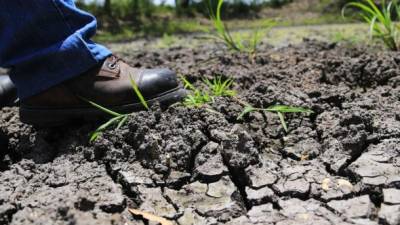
107	85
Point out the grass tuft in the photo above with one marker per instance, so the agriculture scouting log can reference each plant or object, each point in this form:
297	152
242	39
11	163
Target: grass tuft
381	23
216	87
240	43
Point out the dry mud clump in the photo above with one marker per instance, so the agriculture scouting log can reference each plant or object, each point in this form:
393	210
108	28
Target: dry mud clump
200	166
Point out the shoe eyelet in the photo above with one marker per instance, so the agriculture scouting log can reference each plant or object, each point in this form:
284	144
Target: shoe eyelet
112	66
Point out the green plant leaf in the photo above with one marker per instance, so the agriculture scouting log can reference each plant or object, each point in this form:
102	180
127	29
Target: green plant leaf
218	87
248	109
235	43
138	93
279	109
104	126
94	136
288	109
119	119
283	122
109	123
102	108
122	122
214	88
381	24
187	84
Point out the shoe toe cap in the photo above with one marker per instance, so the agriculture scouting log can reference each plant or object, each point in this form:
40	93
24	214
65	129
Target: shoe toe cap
157	81
8	91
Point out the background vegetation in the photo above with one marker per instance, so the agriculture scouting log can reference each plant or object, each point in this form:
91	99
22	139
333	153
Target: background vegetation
127	19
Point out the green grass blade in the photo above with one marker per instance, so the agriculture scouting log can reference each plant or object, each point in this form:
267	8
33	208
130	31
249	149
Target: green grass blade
104	126
219	7
388	12
222	31
94	136
287	109
372	27
362	7
381	24
109	123
283	122
104	109
187	84
227	84
255	41
397	8
208	83
122	122
138	93
248	109
378	13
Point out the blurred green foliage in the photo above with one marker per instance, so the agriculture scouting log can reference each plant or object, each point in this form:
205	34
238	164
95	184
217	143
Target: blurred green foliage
121	20
116	12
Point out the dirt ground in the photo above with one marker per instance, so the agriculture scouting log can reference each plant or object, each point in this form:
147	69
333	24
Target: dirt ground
340	165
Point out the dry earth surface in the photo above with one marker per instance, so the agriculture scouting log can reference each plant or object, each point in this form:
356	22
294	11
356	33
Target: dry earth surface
340	165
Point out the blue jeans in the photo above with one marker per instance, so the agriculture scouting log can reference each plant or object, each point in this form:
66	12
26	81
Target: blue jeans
45	42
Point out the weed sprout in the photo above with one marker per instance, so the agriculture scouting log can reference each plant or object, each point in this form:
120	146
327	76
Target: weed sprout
281	110
214	88
240	43
380	21
219	87
117	119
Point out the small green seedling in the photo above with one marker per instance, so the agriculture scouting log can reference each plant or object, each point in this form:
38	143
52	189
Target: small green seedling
222	31
381	23
247	44
279	109
197	98
117	119
214	88
218	87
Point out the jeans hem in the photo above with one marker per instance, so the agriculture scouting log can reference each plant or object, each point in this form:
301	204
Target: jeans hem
79	57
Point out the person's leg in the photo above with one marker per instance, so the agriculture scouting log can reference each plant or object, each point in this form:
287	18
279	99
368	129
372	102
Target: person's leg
56	67
46	42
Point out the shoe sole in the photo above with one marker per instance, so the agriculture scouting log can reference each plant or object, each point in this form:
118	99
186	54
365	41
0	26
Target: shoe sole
49	117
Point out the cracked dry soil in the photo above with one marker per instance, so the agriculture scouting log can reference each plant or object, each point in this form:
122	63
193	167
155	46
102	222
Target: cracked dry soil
195	166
